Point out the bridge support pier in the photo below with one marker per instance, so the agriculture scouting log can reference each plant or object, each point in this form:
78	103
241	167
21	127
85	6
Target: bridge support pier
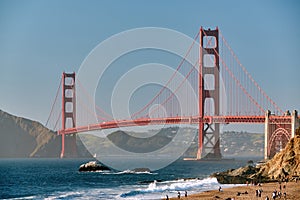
68	142
295	122
278	132
267	115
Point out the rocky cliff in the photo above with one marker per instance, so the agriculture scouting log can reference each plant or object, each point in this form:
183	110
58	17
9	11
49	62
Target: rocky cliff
284	165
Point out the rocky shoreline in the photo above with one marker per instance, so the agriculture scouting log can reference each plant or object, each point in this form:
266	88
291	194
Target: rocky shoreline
284	166
279	175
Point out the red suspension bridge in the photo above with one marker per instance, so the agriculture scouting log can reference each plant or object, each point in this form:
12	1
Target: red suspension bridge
226	93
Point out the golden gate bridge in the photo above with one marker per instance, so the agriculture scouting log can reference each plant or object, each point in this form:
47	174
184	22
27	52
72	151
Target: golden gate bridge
226	94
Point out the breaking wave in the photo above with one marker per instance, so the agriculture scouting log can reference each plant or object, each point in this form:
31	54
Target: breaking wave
174	186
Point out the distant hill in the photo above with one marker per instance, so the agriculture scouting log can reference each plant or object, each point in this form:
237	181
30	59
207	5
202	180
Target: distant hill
233	144
21	138
242	144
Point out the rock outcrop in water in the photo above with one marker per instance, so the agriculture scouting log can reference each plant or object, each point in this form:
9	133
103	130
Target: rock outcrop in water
284	165
141	170
92	166
236	176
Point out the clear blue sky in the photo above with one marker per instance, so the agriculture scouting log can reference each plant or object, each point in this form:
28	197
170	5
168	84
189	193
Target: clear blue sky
41	39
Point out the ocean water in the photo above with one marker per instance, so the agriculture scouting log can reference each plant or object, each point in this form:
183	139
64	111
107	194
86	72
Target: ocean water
60	179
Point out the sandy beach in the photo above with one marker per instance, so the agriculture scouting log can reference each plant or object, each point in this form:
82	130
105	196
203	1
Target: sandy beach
292	190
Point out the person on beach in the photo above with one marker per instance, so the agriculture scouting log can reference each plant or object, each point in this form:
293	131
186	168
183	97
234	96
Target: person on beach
267	198
274	195
280	187
185	193
220	189
167	197
178	195
259	192
279	194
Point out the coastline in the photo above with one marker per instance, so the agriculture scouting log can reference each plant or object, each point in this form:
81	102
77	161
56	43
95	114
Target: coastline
292	190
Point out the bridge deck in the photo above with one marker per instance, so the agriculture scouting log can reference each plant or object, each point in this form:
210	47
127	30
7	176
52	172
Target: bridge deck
178	120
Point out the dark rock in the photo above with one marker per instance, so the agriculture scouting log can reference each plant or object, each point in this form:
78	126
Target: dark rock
141	170
92	166
250	162
150	181
237	176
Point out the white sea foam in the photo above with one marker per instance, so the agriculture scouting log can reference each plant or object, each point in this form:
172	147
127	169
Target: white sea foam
159	190
191	185
28	197
84	194
154	190
126	172
65	195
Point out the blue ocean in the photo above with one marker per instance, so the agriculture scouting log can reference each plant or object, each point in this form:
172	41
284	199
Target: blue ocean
60	179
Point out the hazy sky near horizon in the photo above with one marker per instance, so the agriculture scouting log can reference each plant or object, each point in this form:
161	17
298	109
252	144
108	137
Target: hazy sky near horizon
41	39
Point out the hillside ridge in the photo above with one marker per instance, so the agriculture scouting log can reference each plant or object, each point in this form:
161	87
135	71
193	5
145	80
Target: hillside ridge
21	137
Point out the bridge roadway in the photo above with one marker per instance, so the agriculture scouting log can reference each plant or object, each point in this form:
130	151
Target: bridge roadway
273	119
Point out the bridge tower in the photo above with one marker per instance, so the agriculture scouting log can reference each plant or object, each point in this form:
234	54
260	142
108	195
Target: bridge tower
278	131
68	146
208	136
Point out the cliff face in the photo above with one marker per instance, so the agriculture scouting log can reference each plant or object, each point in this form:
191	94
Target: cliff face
284	164
25	138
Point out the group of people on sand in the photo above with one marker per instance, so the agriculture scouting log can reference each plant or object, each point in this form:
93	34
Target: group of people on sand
258	192
275	194
281	193
178	195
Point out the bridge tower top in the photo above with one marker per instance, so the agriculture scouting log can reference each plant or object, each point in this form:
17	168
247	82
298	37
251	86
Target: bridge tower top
68	101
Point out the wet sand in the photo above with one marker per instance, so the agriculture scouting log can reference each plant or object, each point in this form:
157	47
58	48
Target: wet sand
292	190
